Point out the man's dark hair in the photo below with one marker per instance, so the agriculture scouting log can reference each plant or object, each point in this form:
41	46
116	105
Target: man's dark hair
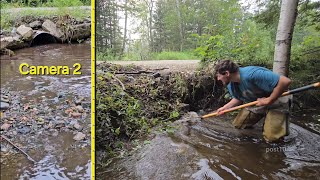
226	65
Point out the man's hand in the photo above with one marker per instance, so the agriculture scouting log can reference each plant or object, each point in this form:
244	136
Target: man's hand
220	111
264	101
232	103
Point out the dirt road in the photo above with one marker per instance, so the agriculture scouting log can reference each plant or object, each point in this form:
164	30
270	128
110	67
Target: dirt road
167	65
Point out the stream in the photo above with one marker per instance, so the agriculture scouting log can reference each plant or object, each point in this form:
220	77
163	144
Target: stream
49	116
213	149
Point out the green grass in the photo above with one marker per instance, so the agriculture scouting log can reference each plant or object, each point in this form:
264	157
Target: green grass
173	55
39	3
8	19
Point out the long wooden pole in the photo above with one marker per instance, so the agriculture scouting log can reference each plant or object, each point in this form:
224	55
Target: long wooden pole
29	157
304	88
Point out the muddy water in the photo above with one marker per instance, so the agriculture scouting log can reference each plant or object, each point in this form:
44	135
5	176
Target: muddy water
57	154
213	149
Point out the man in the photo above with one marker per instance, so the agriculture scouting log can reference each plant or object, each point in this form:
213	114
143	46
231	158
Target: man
251	83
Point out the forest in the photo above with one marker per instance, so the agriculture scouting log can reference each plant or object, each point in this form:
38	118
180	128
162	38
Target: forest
207	30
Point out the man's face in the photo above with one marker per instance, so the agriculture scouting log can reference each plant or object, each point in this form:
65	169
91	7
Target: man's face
224	77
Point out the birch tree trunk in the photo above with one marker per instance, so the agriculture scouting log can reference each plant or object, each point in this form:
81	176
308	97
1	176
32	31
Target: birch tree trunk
125	27
180	24
287	20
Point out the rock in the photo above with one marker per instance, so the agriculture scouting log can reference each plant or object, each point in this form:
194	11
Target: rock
4	149
87	19
12	42
78	102
52	29
68	111
86	104
40	120
7	52
4	106
4	99
60	124
79	109
55	134
81	31
79	136
5	126
35	24
194	116
24	130
25	32
156	75
75	115
190	118
77	126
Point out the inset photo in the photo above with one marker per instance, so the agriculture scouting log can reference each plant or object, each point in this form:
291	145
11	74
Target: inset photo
46	89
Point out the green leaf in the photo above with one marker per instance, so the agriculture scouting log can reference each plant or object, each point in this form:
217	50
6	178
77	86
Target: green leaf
117	131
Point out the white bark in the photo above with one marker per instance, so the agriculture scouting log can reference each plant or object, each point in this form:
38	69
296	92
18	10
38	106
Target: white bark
287	20
180	23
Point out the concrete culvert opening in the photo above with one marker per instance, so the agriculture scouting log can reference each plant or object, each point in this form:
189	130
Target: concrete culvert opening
43	38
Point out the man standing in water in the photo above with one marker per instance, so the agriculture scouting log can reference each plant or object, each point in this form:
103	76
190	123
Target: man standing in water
251	83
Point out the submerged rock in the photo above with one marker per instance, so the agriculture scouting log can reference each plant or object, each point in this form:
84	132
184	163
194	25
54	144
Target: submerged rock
5	126
79	136
4	106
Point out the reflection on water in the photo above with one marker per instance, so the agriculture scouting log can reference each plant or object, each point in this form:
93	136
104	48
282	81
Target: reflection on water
58	156
214	149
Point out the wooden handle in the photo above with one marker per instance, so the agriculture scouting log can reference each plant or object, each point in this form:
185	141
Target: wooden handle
255	102
232	109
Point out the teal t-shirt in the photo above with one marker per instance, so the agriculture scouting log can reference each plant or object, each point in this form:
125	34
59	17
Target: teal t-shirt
255	82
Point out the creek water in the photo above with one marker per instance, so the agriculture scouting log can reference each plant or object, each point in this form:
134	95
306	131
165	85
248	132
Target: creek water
45	97
214	149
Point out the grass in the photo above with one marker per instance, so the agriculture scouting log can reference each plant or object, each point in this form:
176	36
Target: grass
8	18
167	55
39	3
173	55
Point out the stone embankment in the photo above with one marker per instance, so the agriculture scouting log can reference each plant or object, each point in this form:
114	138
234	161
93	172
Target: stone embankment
36	31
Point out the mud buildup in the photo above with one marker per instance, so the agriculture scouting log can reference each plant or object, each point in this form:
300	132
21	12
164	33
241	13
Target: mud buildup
131	100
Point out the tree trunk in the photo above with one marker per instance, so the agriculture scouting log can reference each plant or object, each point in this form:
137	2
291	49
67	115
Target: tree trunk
180	24
287	20
125	27
150	25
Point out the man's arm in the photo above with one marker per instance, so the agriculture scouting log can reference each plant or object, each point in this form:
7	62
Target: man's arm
281	87
234	102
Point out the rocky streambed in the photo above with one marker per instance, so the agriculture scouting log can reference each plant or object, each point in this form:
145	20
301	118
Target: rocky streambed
48	117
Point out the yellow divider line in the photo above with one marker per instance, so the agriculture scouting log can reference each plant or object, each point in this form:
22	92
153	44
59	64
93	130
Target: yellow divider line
93	89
